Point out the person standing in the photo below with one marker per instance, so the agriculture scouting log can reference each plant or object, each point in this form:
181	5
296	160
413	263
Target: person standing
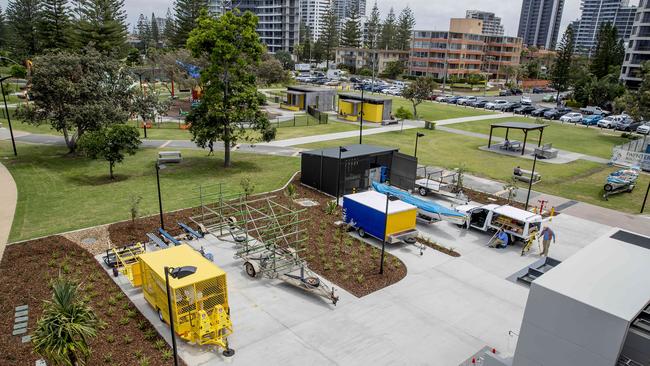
547	235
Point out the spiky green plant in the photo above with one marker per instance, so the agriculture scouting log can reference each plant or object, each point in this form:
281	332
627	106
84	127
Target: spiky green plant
63	331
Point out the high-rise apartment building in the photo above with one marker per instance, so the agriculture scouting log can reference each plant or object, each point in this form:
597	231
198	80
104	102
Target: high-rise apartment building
312	13
342	9
491	23
598	12
539	22
446	53
638	46
279	20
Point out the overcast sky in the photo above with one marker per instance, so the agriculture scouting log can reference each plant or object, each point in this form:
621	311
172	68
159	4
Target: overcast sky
430	14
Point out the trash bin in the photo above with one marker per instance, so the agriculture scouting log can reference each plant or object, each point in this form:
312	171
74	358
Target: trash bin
429	125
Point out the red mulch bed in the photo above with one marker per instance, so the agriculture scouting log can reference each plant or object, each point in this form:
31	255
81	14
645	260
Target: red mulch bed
27	270
127	232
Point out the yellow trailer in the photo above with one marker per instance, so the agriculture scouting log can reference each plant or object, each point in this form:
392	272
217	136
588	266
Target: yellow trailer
199	301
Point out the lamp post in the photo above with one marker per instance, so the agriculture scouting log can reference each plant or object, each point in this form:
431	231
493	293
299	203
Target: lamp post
338	174
361	119
158	167
530	183
4	98
383	241
176	273
417	137
645	198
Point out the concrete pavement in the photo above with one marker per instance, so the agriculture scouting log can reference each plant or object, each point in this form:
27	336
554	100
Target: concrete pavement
8	198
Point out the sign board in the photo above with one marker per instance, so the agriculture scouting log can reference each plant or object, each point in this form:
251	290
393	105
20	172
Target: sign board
631	158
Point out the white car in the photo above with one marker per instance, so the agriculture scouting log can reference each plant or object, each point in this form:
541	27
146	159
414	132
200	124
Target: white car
644	129
443	98
526	100
496	105
612	121
466	100
572	117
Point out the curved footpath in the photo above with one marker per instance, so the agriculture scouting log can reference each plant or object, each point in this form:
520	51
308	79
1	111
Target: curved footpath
8	198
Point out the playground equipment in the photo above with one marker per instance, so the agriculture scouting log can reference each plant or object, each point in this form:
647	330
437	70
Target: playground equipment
427	210
268	236
623	180
199	302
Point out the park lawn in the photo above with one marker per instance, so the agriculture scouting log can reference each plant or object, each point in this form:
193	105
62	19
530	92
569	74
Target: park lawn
58	193
577	138
580	180
20	125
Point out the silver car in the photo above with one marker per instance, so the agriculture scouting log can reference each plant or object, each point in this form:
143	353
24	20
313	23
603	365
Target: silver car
644	129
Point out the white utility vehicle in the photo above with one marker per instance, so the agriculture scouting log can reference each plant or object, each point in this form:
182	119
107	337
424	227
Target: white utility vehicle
520	224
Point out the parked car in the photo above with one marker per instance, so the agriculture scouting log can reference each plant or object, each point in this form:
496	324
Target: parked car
592	119
526	100
479	103
539	112
628	124
443	98
525	109
510	106
612	121
505	93
548	98
572	117
593	110
452	100
644	129
556	113
466	100
516	91
496	105
537	90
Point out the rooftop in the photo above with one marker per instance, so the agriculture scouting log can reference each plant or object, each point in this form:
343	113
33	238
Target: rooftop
308	89
377	202
353	151
365	97
519	126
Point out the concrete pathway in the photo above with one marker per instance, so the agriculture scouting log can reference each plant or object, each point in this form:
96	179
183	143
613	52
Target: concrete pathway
8	198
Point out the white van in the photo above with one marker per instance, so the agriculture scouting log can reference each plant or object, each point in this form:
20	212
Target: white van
518	223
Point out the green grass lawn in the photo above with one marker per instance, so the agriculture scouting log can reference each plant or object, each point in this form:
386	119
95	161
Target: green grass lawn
580	180
57	193
576	138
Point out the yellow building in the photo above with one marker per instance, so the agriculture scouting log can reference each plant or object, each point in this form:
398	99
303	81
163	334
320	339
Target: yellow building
375	109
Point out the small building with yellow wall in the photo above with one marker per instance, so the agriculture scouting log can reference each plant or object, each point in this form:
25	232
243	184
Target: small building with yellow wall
301	97
375	109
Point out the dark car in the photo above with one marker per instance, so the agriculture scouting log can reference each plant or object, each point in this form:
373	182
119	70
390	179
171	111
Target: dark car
556	113
525	109
511	106
479	103
516	91
453	100
355	80
537	90
628	125
539	112
505	93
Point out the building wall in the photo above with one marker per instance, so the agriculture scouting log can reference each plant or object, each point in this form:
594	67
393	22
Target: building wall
342	9
597	12
463	25
440	53
491	23
638	46
539	22
312	13
361	57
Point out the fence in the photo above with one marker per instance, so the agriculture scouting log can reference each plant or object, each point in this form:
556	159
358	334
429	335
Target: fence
299	121
634	153
320	116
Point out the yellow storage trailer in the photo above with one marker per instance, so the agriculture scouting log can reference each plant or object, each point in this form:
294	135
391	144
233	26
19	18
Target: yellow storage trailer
199	301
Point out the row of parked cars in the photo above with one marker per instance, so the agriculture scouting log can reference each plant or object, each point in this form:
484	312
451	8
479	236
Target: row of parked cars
524	105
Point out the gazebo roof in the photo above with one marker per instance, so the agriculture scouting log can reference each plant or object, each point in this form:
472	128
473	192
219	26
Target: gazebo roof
520	126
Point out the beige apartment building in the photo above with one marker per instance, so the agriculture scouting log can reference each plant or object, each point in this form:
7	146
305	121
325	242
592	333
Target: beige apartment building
358	58
462	50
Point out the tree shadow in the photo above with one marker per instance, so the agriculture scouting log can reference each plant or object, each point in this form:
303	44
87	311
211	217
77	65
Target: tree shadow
96	180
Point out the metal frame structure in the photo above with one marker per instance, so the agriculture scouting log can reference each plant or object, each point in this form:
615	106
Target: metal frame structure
268	236
438	181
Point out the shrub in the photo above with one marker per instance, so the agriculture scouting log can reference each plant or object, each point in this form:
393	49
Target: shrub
247	186
138	354
127	339
144	361
330	209
150	334
112	301
110	338
108	358
124	321
167	354
292	191
403	113
134	208
130	313
160	344
360	278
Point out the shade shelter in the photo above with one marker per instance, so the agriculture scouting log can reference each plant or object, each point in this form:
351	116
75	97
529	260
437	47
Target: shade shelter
526	127
353	168
375	109
300	98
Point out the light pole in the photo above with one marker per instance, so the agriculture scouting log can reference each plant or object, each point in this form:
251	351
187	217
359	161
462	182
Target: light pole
530	183
361	120
383	242
645	198
4	98
158	167
338	175
176	273
417	136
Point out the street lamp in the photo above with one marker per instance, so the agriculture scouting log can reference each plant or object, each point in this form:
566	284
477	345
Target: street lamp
645	198
4	98
338	175
532	175
417	137
177	273
361	122
158	167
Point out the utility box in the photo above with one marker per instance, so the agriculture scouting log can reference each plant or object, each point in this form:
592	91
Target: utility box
366	212
199	301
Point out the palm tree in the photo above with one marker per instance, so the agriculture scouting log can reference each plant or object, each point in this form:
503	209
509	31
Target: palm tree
67	323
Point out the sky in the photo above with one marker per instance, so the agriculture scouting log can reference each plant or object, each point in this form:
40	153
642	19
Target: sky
429	14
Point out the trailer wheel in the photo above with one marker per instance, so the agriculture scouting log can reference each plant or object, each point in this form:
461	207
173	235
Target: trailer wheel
362	233
608	187
228	352
160	316
423	191
250	269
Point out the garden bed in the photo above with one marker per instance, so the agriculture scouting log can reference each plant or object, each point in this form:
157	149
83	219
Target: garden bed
127	232
27	270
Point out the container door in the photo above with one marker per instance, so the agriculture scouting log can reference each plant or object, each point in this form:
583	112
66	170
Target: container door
403	171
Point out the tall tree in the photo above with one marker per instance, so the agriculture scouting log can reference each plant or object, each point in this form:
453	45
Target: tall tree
102	23
3	30
230	107
329	37
419	91
169	31
66	326
23	17
404	31
304	48
351	33
77	92
388	31
55	25
187	13
561	69
155	30
636	103
374	28
609	53
144	31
